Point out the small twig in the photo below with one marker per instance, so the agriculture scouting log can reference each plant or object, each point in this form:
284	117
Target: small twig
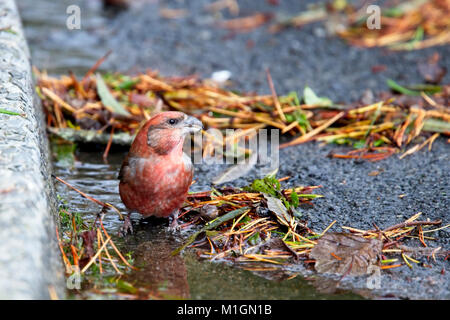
103	204
108	146
115	248
275	97
109	256
96	255
67	263
409	224
95	66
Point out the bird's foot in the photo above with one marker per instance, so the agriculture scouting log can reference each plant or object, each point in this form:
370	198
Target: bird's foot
174	225
126	227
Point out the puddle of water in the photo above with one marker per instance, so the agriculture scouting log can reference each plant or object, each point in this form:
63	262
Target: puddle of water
56	48
53	46
183	276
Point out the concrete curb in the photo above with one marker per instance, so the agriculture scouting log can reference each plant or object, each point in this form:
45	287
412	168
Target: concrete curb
30	266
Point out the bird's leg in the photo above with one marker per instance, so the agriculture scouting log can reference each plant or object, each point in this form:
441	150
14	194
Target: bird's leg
174	224
127	226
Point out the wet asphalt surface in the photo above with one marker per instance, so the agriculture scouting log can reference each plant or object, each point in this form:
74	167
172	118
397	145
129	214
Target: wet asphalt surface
140	38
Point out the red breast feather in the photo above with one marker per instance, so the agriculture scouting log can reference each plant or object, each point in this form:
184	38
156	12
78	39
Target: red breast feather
155	186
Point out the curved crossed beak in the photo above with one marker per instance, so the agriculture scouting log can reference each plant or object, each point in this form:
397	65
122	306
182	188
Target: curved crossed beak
192	124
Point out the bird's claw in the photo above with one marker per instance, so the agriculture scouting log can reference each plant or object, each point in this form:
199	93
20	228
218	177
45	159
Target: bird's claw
126	227
174	225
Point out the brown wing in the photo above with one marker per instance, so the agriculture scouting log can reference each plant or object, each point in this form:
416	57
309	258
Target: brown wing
125	166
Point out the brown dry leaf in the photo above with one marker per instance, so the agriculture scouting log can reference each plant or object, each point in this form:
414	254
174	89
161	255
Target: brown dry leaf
430	70
344	253
209	212
168	13
245	24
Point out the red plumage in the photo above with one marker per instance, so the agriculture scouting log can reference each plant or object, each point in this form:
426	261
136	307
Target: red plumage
156	174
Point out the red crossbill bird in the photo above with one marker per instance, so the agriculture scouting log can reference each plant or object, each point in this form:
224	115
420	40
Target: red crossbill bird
156	174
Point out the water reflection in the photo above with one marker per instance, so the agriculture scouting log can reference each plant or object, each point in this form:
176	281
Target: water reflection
183	276
56	48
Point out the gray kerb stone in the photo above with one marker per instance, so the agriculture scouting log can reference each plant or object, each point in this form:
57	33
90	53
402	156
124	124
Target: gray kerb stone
30	266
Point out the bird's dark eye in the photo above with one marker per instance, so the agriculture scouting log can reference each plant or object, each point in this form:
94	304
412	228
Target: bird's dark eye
173	121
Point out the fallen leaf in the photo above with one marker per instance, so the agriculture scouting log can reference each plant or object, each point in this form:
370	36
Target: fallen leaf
168	13
142	100
245	24
312	99
209	212
398	88
89	238
108	99
344	253
379	68
276	206
430	70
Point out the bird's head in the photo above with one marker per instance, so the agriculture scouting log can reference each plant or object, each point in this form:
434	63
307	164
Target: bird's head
165	132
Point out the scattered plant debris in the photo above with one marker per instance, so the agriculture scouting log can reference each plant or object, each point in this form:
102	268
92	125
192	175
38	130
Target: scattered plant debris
261	223
411	25
91	258
109	109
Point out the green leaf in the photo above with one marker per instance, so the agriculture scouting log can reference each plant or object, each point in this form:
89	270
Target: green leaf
290	118
294	199
127	84
359	144
398	88
435	125
294	97
125	286
301	119
312	99
63	152
108	99
340	141
11	113
374	118
269	185
378	143
260	185
246	219
418	36
310	196
254	239
427	88
392	12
